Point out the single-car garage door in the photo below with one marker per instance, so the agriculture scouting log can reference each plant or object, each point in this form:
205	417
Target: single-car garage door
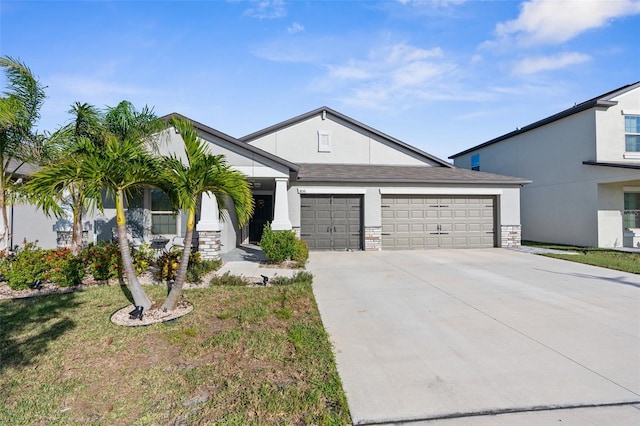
417	222
331	222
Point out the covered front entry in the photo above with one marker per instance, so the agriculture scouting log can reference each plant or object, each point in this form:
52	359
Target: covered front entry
331	222
419	222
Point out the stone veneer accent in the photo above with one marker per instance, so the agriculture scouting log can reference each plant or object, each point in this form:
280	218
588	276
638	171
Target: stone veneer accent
63	238
209	245
511	235
373	238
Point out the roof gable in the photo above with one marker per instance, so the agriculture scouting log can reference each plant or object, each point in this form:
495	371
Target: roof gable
377	139
242	148
602	101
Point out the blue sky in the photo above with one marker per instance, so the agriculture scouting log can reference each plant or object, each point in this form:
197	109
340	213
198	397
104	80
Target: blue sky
442	75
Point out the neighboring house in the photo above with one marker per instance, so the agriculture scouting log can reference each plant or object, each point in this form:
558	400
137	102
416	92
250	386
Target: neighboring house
340	185
585	166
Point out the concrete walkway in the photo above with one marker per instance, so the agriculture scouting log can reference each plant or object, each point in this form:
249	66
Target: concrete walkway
492	336
249	261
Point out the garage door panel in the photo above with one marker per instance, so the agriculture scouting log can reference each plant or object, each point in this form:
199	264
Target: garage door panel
331	222
428	222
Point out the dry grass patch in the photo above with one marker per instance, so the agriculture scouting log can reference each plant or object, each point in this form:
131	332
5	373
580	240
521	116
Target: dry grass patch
245	355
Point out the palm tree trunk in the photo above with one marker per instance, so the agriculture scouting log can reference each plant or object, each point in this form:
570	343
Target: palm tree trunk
140	298
76	238
176	289
4	228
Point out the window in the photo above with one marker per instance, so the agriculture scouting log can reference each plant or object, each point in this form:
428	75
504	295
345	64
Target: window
632	210
475	162
324	141
163	218
632	133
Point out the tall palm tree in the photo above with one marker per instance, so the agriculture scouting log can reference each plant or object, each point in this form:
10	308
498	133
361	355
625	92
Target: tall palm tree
19	111
126	165
51	187
186	180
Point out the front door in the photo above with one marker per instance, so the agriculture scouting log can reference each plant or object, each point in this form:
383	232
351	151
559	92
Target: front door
262	214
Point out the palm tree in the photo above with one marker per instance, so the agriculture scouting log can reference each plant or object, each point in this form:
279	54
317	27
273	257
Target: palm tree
58	182
127	164
186	180
19	111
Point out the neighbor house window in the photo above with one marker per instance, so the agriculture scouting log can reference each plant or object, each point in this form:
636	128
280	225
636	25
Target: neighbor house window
632	133
475	162
163	218
324	141
632	210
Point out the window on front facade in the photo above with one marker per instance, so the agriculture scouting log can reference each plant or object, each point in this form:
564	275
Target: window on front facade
163	218
324	141
632	210
475	162
632	133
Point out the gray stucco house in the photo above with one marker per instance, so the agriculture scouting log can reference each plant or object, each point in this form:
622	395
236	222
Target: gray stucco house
339	184
585	166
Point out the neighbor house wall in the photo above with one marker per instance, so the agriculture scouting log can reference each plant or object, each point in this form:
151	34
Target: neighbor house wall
610	129
560	204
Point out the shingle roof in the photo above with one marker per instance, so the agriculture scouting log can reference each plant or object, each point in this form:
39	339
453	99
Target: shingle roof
400	174
603	100
244	146
349	120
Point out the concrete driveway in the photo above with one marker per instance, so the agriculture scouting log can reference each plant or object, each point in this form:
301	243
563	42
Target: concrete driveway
481	337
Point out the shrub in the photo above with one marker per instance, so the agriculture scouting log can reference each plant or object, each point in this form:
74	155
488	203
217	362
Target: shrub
25	267
31	264
169	262
103	261
197	271
228	280
300	277
143	256
279	246
62	268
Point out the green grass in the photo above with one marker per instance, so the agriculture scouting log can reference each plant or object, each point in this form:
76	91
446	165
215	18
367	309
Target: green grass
244	356
606	258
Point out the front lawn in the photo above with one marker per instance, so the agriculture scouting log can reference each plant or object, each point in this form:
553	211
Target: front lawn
612	259
245	355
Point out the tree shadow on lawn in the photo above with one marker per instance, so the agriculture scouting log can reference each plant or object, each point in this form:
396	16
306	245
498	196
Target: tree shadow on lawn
28	325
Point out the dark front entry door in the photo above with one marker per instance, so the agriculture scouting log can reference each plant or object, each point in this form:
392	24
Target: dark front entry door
262	214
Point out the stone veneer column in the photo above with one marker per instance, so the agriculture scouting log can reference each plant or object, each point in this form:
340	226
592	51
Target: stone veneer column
373	238
281	220
209	228
511	235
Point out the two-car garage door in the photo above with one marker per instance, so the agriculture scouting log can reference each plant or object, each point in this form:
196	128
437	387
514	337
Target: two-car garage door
335	222
417	222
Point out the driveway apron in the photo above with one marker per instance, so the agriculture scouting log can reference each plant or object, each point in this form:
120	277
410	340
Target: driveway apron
437	334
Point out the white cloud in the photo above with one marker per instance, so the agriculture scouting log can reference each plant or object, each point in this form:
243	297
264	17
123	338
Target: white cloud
388	76
267	9
537	64
556	21
295	28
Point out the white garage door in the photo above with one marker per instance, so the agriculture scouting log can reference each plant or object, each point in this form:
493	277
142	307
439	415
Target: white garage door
418	222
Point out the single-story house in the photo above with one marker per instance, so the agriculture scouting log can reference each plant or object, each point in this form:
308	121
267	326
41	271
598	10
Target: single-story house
340	185
585	166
